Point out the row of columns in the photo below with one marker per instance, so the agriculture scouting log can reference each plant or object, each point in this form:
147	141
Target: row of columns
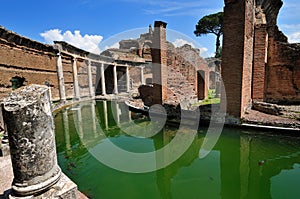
61	81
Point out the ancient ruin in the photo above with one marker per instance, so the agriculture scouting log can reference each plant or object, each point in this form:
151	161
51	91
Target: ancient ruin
28	117
258	63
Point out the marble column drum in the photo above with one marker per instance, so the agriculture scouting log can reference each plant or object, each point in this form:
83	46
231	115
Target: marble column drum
30	126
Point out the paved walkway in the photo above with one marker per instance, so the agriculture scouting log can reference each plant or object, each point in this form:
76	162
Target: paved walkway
6	177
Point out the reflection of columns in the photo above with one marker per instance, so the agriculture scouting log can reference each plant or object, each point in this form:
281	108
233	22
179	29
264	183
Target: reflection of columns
127	79
115	80
244	165
61	81
142	76
103	79
116	111
66	130
79	121
93	111
90	77
75	77
105	114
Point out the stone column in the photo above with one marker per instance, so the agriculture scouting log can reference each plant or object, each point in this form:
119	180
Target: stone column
75	78
103	87
115	80
29	121
127	79
61	80
142	76
90	77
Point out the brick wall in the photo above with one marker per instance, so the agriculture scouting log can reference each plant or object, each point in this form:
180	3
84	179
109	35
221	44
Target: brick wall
259	62
283	72
20	56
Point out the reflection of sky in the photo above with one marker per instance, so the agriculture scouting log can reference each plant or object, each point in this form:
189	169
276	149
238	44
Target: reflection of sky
286	183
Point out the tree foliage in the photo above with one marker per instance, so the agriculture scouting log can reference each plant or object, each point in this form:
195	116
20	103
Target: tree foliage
211	24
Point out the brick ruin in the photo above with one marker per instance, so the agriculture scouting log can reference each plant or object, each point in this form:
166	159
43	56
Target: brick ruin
172	74
258	63
176	74
70	72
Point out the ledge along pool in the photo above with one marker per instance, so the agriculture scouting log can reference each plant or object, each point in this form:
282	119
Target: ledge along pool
242	164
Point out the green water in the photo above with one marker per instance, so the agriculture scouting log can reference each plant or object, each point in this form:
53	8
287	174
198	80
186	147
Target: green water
242	164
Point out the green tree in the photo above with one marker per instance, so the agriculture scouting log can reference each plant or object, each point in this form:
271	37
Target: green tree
212	23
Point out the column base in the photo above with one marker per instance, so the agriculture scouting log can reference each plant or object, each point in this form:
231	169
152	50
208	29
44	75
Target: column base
23	190
64	188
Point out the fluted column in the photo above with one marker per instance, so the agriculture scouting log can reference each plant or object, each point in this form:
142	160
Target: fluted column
115	80
75	78
103	86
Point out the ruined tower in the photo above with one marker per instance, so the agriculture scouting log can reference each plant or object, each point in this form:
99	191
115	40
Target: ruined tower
159	62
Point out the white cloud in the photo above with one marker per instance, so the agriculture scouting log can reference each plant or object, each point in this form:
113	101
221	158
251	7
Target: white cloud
87	42
294	37
115	45
181	42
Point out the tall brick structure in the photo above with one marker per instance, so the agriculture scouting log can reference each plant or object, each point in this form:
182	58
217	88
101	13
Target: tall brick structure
159	62
258	63
237	55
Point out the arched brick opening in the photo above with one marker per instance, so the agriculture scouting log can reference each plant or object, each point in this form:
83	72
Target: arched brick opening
212	80
201	84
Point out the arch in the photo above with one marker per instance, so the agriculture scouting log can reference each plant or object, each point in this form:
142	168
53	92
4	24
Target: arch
201	84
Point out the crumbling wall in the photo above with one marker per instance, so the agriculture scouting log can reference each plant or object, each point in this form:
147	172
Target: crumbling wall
283	72
183	64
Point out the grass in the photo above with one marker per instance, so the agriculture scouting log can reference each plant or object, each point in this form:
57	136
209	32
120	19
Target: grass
210	100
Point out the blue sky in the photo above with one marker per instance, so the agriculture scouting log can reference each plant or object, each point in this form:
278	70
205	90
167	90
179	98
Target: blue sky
96	21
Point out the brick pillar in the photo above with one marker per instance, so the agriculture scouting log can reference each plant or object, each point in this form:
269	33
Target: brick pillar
237	55
159	61
260	56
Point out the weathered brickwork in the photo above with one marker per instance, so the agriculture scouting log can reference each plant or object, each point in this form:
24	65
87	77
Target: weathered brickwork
22	57
257	61
233	55
283	73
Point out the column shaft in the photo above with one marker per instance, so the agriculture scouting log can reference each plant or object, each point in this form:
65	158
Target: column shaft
115	80
30	127
75	78
90	77
103	86
61	81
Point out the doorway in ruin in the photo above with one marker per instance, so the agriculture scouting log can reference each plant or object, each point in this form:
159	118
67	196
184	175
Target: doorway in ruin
201	84
121	74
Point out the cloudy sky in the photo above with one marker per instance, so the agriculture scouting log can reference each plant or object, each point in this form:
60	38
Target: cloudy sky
98	24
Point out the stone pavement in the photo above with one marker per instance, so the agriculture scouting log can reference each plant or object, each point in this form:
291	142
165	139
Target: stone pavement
6	177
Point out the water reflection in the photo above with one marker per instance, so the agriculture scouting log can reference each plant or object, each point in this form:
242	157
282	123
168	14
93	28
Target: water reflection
243	164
